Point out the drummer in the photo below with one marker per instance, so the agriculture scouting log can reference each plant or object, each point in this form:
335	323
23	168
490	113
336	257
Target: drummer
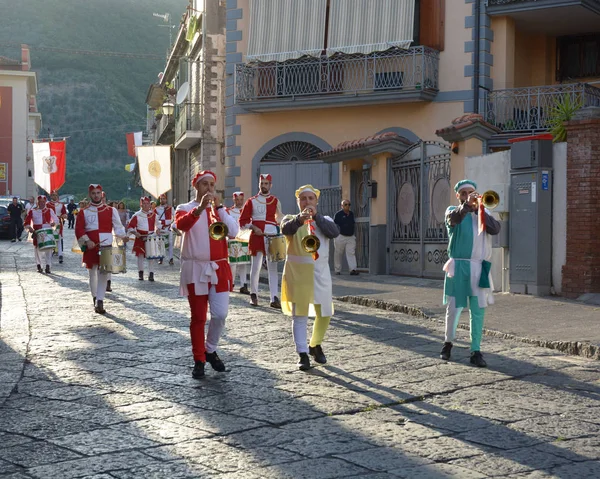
238	265
164	216
141	225
41	218
93	229
306	283
262	214
61	212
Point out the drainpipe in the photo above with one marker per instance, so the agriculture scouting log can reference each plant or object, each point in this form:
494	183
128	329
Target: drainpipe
476	54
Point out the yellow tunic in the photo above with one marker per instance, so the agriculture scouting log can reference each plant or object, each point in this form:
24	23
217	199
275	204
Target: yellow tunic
306	282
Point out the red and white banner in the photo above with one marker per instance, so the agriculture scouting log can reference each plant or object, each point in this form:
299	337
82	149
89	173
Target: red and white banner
133	140
50	164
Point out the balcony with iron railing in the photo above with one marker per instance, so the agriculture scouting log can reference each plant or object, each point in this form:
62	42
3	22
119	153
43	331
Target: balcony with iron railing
343	79
530	109
188	125
164	128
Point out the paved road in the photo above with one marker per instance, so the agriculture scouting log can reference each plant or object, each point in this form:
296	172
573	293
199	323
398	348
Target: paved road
84	395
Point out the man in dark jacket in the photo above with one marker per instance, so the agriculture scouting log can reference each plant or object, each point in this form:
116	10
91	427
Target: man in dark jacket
16	219
346	241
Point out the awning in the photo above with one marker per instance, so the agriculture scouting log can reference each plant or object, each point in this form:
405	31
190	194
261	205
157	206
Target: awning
284	29
365	26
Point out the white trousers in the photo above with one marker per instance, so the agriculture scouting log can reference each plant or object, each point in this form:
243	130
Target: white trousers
255	274
151	263
43	257
97	283
242	269
341	244
219	306
299	326
170	253
59	246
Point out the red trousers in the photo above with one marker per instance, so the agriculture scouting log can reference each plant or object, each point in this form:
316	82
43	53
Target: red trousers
199	309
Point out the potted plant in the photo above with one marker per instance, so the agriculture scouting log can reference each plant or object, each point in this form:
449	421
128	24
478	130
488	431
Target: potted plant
561	112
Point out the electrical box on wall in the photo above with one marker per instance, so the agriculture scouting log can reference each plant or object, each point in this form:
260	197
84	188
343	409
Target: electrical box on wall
531	154
372	189
503	190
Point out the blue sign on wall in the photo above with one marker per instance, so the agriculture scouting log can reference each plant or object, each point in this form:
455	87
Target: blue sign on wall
545	180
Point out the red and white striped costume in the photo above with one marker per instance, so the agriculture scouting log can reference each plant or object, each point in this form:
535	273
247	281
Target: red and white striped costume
144	224
60	209
265	213
40	218
96	223
164	216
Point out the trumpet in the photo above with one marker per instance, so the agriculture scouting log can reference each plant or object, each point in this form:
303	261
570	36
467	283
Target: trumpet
490	199
310	243
218	231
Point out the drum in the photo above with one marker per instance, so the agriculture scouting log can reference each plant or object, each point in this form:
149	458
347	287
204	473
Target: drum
57	239
276	248
45	238
113	259
238	252
154	247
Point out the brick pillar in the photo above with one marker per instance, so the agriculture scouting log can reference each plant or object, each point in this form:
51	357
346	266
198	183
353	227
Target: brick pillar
581	272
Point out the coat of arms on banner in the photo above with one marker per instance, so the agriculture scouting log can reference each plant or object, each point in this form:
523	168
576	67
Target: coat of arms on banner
50	164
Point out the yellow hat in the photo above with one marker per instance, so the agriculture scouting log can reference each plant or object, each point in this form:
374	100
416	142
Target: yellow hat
304	188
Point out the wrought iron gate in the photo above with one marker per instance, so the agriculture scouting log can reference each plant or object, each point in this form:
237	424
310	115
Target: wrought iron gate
419	193
361	207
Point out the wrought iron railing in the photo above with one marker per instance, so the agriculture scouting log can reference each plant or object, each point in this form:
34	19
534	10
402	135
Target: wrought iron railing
188	119
530	109
414	69
493	3
330	200
165	122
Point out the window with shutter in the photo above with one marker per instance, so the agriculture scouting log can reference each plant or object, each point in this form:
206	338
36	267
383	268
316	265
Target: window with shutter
432	20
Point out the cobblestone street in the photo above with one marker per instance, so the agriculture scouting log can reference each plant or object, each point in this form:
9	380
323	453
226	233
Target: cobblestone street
85	395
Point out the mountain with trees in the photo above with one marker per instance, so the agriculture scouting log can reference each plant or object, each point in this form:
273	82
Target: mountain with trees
92	99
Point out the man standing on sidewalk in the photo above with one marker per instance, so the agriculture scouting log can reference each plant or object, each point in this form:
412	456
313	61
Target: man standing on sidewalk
37	219
346	241
205	273
93	229
164	215
262	214
71	207
306	283
470	229
239	262
16	219
61	212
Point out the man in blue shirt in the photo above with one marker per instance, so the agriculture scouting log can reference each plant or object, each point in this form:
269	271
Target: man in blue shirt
346	241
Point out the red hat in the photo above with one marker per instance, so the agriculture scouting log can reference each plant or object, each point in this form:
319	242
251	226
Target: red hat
163	194
266	176
145	198
54	192
237	194
41	197
203	174
94	186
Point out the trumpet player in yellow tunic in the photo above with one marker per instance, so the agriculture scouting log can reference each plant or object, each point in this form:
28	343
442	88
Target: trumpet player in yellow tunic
306	282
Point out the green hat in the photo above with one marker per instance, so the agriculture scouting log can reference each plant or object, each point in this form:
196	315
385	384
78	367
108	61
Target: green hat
463	184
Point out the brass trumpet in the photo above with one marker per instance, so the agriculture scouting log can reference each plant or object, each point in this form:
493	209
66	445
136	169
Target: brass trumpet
218	231
490	199
310	244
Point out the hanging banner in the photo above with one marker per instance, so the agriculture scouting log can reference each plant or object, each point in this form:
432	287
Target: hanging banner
133	140
154	163
50	164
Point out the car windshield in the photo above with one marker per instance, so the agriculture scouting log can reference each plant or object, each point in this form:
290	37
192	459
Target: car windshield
3	211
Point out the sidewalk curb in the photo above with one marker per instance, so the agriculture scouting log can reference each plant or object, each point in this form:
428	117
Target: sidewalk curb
586	350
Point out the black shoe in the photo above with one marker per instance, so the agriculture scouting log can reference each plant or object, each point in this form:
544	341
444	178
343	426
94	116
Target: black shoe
141	275
198	372
244	289
253	300
47	269
108	288
94	298
13	240
20	239
39	268
353	273
100	307
171	262
275	303
317	353
60	259
338	273
445	353
477	359
215	362
160	261
304	362
151	277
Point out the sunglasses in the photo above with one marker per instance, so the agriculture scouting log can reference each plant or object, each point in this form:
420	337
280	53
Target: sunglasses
345	204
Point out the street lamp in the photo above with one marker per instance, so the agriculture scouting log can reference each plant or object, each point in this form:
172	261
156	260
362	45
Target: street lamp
168	108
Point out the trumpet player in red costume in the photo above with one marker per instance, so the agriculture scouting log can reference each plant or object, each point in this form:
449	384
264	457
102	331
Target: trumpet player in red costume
306	284
205	274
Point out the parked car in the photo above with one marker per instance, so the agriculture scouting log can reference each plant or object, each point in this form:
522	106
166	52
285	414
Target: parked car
4	222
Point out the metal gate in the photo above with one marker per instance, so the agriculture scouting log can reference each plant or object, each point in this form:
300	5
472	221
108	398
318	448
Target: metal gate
419	195
361	207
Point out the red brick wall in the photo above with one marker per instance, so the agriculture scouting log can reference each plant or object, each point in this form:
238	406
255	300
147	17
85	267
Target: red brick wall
581	272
